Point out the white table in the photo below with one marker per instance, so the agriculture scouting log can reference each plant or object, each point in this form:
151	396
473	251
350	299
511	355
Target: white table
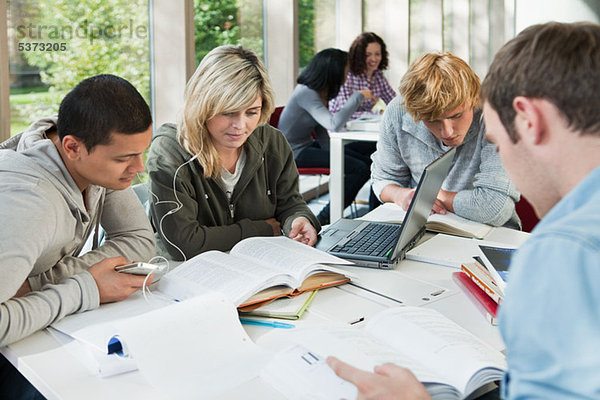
58	374
337	140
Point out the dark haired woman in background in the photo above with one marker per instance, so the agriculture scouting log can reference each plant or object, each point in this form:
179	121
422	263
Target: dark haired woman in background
368	57
306	119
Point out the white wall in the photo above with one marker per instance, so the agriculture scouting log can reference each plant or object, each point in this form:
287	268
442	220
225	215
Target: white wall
529	12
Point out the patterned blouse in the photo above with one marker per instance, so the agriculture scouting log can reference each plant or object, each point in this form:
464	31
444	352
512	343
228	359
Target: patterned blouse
379	86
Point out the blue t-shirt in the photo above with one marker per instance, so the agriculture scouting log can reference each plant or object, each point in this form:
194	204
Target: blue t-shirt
550	319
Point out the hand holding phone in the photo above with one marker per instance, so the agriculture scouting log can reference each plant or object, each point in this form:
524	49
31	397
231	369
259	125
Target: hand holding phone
142	268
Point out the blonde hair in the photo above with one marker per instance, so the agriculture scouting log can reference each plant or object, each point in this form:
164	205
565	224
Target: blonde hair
228	79
437	83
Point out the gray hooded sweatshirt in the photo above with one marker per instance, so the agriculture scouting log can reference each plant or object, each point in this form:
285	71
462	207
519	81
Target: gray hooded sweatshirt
44	225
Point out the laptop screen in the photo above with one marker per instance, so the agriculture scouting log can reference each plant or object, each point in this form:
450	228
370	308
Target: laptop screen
425	194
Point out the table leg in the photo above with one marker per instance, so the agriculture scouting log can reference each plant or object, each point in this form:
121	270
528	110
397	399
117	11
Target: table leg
336	178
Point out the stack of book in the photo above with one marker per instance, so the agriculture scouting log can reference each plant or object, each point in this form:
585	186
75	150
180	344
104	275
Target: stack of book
477	282
292	307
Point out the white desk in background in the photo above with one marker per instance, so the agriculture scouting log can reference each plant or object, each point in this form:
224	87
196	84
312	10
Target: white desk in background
337	140
59	374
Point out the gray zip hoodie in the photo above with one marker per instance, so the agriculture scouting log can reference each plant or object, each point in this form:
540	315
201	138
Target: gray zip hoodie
44	225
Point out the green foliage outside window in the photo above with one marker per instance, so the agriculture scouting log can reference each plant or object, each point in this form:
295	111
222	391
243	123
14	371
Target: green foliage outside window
220	22
306	31
68	41
109	36
112	36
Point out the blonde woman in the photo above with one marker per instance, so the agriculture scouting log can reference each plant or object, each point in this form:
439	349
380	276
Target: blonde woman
222	174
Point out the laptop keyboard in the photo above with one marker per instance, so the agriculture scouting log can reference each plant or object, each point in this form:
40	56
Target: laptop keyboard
374	240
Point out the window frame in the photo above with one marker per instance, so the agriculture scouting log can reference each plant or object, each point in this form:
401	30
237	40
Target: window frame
4	74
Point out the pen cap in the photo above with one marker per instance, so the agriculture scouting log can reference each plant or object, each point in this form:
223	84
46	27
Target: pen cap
116	346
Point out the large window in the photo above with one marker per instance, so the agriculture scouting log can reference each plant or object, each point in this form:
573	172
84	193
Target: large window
113	36
219	22
374	12
425	20
54	44
316	28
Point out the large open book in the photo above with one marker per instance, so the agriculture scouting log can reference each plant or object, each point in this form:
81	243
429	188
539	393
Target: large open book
450	361
445	223
257	270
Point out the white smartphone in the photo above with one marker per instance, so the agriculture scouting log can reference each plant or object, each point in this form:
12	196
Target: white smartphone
141	268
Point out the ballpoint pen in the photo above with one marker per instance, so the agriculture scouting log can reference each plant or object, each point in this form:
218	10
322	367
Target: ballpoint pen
272	324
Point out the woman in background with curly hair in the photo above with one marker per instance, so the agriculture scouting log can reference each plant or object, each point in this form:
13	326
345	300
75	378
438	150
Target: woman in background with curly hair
367	58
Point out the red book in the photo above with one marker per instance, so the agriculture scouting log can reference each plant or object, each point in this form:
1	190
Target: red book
484	302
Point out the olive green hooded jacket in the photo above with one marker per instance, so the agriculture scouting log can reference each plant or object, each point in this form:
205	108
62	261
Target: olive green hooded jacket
194	214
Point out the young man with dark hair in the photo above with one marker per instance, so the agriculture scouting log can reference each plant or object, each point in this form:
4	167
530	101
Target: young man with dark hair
541	100
57	186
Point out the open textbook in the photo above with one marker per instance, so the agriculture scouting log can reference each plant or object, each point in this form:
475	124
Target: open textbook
258	269
446	223
450	361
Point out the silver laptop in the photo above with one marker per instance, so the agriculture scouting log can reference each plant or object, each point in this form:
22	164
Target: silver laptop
380	244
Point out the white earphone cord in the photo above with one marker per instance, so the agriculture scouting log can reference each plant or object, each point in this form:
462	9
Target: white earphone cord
178	206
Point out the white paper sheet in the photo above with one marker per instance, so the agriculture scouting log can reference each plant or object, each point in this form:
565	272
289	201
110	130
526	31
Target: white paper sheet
193	349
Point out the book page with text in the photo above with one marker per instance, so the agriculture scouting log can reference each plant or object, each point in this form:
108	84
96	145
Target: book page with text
350	344
287	256
237	278
445	347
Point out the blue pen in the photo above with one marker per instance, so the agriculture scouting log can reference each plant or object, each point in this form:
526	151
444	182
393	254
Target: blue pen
272	324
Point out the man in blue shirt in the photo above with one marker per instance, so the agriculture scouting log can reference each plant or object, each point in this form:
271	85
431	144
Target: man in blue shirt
541	100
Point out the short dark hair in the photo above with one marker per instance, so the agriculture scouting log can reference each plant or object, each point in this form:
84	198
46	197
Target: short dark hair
325	71
558	62
99	106
358	51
